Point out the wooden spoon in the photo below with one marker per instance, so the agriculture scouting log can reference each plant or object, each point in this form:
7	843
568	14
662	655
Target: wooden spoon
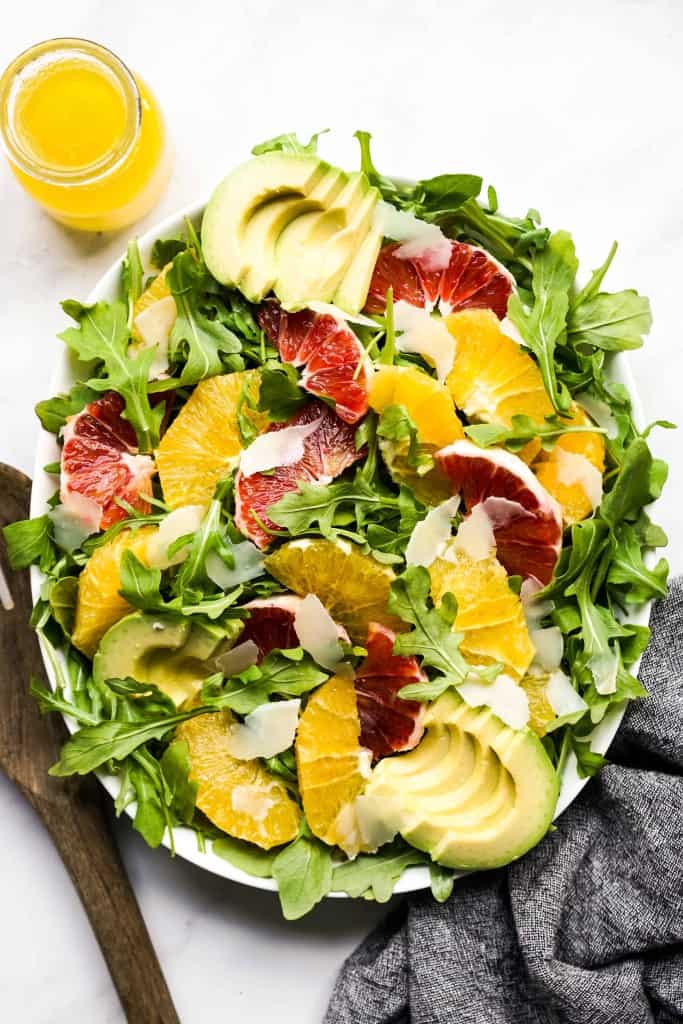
74	810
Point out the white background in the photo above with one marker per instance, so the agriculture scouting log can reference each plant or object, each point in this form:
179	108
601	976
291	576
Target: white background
571	108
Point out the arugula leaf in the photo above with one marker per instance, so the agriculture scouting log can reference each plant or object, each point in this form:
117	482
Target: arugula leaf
93	745
289	143
62	597
443	195
29	541
303	872
165	250
194	336
319	503
395	424
54	412
640	480
523	430
280	395
150	816
375	875
131	277
103	335
139	584
288	675
432	637
627	568
544	325
441	880
614	321
245	856
182	792
588	763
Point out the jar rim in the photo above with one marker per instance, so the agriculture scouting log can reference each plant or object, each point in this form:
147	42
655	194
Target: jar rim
41	55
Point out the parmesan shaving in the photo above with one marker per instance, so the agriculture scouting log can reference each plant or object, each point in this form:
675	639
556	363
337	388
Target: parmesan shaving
562	697
599	412
549	647
276	448
318	633
475	534
340	315
178	523
248	566
504	696
75	519
604	668
237	659
576	469
154	326
430	535
424	335
265	732
422	241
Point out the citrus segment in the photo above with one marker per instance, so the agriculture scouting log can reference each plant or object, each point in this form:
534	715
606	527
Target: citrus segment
493	378
573	488
100	461
489	614
526	521
271	624
541	713
388	723
332	358
156	291
239	797
202	444
330	762
328	451
99	604
427	402
352	585
471	280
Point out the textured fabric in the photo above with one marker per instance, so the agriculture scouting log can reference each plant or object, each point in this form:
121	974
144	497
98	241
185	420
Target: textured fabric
587	928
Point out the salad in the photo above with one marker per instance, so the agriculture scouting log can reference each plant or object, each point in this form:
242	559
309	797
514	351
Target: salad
348	525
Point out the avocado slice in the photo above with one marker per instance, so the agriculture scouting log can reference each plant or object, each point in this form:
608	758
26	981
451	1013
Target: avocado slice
234	201
314	253
475	793
169	652
267	224
353	291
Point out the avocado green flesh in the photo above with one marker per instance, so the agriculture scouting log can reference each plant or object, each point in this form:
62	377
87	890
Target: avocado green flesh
267	224
156	649
247	188
353	290
474	793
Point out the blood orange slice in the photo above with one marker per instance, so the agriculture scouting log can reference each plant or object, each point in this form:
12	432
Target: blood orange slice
271	624
526	520
471	280
328	451
332	358
100	462
387	723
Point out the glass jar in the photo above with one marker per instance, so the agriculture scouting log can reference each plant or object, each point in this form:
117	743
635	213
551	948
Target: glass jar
84	136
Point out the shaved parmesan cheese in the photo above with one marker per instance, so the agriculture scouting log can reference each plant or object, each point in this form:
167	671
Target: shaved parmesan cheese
430	535
534	609
329	309
504	696
75	519
600	412
510	330
604	668
475	534
318	633
265	732
154	326
276	448
379	819
248	566
549	647
424	335
576	469
365	762
238	658
422	241
179	523
562	697
252	800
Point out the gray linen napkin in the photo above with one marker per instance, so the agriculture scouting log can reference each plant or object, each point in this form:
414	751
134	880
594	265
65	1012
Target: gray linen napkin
587	928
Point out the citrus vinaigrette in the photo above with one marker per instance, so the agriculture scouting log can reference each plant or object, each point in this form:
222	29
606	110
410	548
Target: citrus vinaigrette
83	135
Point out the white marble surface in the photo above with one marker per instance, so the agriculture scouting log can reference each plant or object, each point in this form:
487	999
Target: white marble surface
573	109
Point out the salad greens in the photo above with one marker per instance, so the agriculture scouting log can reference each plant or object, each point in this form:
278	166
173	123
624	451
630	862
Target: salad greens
127	727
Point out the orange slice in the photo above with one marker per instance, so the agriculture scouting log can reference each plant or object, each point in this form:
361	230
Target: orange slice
99	604
565	478
330	762
541	713
353	586
203	443
240	797
493	378
429	403
158	289
490	614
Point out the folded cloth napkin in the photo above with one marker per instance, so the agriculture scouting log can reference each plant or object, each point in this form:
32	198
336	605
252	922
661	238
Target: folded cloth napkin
587	928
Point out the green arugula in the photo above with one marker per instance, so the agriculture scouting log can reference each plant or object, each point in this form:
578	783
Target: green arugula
523	430
245	856
103	336
441	880
543	324
54	412
29	542
303	872
195	339
131	278
395	424
614	321
281	673
289	143
375	875
280	395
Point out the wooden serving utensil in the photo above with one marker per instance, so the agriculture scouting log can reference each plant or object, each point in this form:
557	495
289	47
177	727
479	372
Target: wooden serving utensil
74	810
